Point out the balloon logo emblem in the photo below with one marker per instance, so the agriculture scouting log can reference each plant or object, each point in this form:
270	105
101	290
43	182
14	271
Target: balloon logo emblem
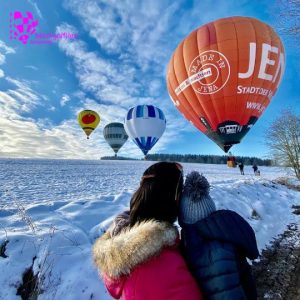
88	119
205	72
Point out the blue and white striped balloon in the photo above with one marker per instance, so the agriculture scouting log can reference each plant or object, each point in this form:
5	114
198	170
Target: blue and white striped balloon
145	124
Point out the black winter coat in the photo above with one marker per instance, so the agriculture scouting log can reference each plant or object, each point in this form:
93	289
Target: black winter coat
215	249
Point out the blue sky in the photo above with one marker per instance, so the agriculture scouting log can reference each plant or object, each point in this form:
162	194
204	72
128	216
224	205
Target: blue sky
118	60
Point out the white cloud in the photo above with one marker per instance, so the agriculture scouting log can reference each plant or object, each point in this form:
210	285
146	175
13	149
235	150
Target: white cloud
25	137
9	106
32	67
109	82
155	87
1	73
2	59
28	138
38	11
4	50
100	22
64	99
137	28
79	94
25	98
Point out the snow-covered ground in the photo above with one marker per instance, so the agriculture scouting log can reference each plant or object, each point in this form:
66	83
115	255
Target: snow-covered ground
51	212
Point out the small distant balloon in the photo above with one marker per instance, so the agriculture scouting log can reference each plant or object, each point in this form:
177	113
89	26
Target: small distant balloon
145	124
88	121
115	135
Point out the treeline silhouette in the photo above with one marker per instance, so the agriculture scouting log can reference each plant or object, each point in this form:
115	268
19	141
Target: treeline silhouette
209	159
116	158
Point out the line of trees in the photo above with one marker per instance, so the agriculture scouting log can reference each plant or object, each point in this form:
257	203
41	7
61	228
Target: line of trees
116	158
208	159
201	159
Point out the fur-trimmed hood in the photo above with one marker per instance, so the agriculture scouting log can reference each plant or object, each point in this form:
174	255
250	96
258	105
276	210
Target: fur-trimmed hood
118	255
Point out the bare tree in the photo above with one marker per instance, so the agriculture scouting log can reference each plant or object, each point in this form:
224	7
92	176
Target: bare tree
289	21
283	139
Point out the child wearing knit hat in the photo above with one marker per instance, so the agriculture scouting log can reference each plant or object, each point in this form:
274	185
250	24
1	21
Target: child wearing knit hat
216	244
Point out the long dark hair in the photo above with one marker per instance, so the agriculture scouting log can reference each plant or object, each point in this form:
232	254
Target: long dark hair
155	199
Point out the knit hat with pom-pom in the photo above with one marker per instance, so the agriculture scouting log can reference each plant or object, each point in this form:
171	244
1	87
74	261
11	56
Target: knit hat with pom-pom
195	203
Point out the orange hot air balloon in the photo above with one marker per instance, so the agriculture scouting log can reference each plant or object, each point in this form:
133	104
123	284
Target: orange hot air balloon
223	75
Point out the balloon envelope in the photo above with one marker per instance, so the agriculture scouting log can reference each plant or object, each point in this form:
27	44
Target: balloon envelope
223	75
145	124
115	135
88	121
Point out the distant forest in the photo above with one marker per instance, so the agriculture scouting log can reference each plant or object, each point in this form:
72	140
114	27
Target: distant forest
209	159
117	158
202	159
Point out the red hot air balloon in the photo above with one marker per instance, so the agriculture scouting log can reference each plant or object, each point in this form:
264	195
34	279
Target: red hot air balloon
223	75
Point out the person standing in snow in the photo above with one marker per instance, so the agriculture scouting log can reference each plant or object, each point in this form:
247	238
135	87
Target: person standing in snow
255	168
241	166
139	257
216	244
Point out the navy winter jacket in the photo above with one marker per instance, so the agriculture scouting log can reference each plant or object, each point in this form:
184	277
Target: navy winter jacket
215	249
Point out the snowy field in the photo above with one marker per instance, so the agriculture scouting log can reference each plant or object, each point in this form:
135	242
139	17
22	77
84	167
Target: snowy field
51	212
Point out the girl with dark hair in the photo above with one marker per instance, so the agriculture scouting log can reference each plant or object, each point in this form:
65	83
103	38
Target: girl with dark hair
138	257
